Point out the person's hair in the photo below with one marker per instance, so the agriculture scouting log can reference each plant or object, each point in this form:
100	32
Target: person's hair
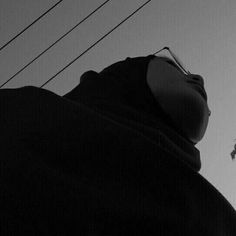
233	153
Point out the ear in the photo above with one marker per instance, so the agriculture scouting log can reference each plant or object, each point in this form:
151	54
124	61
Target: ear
88	75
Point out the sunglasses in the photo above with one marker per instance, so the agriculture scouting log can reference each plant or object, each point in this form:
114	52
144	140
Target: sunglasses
178	62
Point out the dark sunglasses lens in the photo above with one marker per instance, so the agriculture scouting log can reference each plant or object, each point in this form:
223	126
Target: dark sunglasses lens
168	54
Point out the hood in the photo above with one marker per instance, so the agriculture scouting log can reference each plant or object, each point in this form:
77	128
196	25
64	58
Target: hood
124	84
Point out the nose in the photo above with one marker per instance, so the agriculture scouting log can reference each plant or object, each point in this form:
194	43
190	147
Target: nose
196	78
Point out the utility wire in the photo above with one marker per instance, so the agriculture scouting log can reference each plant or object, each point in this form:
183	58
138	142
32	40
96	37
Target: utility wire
63	36
94	44
46	12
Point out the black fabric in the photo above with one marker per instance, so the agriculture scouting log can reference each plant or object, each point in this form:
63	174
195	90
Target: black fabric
120	91
123	82
94	166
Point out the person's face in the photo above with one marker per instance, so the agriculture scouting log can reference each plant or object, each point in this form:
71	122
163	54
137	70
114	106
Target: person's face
178	97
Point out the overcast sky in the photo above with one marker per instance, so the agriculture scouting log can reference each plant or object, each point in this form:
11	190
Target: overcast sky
201	32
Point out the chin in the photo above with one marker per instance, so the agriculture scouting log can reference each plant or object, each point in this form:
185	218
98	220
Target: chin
198	128
188	110
194	117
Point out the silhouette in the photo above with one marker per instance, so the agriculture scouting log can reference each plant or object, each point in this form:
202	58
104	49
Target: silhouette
111	157
233	153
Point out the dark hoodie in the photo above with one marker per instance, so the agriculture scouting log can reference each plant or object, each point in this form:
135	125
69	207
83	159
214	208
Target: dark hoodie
103	160
121	91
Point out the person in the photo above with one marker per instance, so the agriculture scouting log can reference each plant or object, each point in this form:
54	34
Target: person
114	156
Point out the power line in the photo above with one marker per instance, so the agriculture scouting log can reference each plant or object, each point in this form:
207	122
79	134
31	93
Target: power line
63	36
21	32
94	44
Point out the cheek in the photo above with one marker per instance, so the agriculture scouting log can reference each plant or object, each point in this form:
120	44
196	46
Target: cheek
162	77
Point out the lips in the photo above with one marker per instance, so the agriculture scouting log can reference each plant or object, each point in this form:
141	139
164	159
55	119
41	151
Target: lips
199	88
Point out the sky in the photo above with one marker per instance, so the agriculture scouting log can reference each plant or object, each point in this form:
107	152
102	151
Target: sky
202	33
